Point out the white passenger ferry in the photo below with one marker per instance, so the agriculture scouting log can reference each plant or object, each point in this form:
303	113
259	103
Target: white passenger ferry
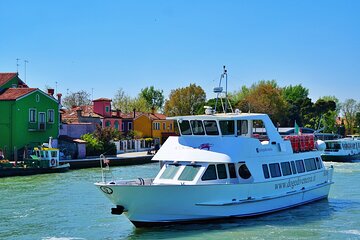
218	168
342	150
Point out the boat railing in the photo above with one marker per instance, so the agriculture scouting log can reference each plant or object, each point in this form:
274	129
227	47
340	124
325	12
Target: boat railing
134	182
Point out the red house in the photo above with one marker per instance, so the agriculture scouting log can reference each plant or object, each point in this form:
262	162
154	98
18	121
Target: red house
109	118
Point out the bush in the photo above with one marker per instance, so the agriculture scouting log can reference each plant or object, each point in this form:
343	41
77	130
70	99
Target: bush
94	146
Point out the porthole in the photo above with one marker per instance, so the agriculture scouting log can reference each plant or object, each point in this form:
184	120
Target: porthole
244	172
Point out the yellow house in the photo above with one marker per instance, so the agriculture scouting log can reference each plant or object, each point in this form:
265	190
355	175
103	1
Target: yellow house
154	125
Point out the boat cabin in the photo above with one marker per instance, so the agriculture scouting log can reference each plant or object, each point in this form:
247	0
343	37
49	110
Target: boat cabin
49	156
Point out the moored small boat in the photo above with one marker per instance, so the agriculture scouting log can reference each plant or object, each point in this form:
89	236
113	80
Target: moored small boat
45	160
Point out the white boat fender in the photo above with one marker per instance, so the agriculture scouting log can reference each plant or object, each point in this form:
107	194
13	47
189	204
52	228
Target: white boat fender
320	145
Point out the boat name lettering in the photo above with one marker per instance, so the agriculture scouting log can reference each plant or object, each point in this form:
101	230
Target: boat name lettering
263	150
292	183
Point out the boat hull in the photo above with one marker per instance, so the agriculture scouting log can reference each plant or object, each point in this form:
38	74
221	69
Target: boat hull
167	204
340	158
20	171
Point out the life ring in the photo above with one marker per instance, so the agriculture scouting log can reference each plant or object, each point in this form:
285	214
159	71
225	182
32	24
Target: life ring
52	162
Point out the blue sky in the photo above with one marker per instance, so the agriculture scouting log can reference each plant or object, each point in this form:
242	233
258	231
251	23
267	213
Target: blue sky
107	45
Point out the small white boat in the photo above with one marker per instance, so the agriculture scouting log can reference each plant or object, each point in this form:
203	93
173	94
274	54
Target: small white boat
218	168
342	150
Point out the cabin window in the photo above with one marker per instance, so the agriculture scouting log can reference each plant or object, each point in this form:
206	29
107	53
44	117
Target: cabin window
227	127
244	172
170	171
197	127
293	167
275	170
318	163
211	128
221	170
242	127
54	154
185	127
259	130
333	146
300	166
189	172
210	173
310	164
232	171
285	168
265	171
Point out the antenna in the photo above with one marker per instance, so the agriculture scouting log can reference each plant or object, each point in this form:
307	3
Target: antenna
17	65
25	62
56	87
219	91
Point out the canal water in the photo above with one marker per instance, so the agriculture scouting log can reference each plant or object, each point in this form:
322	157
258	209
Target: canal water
68	206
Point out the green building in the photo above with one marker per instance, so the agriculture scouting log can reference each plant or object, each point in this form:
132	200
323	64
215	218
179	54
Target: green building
28	116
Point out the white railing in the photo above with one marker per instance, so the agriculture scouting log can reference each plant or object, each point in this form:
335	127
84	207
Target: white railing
132	146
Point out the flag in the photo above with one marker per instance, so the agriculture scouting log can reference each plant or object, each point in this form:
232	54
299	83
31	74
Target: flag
106	161
296	129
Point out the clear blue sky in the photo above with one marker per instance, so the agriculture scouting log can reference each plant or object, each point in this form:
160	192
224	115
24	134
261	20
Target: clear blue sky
107	45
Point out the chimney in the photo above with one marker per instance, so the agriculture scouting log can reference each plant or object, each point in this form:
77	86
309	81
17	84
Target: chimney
134	112
118	113
59	97
153	110
78	112
50	91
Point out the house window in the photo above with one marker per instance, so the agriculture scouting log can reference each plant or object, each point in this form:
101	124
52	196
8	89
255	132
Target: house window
129	126
123	126
116	124
32	115
107	109
156	126
42	120
164	126
107	124
170	126
51	115
37	98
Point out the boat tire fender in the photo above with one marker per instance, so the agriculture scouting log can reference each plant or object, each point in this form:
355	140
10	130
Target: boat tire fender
118	210
142	181
52	161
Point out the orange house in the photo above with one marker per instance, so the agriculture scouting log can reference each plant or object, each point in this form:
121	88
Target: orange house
154	125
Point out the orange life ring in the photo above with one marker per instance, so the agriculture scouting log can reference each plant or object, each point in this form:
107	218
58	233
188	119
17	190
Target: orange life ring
52	161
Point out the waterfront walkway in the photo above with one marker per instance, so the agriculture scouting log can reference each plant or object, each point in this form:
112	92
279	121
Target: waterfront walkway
122	159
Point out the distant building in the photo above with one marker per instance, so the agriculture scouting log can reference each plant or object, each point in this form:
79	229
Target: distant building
29	116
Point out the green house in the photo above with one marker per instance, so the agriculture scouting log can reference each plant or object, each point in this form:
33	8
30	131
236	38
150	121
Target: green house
28	116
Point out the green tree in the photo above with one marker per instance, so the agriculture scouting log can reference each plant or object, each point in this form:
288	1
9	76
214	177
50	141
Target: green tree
185	101
122	101
153	97
80	98
299	104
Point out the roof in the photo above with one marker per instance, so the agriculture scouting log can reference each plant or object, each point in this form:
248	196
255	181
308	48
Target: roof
6	77
102	100
152	116
70	115
12	94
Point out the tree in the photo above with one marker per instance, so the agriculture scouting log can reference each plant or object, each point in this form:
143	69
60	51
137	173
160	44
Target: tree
153	97
265	97
79	98
299	105
121	101
349	108
185	101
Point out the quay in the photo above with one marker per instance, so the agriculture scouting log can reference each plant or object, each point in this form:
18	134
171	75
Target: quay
123	159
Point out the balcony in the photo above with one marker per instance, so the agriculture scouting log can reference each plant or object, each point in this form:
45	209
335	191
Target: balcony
39	127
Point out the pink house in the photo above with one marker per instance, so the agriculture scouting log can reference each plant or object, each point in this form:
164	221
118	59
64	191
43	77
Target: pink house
102	107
